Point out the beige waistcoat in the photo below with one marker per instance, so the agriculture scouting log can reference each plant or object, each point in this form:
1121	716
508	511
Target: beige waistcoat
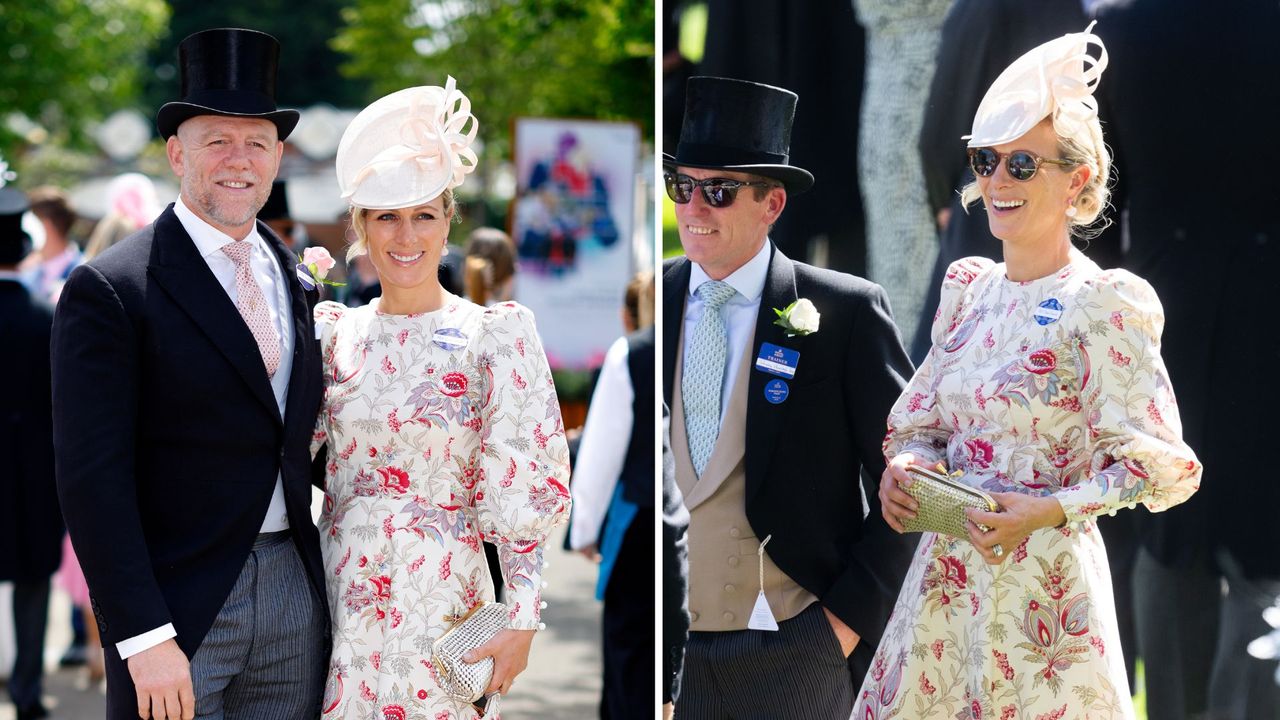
723	565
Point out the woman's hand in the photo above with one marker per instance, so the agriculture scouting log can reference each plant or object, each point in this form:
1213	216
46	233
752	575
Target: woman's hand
510	652
895	504
1019	516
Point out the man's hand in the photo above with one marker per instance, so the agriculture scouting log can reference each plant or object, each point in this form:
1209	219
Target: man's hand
510	652
162	677
668	711
591	552
845	634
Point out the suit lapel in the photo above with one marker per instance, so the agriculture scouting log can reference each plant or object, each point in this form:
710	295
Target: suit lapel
765	420
298	311
178	268
675	286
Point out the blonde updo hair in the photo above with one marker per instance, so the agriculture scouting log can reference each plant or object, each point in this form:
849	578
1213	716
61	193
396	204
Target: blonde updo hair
359	216
1088	149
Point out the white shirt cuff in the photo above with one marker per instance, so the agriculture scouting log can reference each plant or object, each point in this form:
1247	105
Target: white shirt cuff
147	640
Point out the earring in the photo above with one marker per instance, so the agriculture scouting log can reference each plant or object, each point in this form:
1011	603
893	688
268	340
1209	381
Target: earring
1071	211
445	250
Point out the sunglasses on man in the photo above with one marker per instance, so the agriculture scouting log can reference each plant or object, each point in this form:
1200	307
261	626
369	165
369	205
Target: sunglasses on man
717	192
1021	164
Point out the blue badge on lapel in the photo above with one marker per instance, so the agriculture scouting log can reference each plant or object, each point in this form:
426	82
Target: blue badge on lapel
776	391
1049	311
450	339
778	361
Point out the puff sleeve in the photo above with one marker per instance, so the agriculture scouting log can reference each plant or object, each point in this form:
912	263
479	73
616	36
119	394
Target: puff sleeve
525	458
326	315
1134	432
915	424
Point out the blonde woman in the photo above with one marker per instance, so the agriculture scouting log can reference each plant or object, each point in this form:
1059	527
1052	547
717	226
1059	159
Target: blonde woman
1045	387
442	427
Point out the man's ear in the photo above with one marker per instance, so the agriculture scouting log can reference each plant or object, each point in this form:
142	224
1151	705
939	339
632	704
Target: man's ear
774	203
173	149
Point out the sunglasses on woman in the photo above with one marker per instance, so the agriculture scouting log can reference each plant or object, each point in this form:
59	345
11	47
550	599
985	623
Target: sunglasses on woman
1022	165
717	192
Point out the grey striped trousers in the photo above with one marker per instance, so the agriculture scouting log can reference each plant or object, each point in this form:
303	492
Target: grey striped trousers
798	671
264	657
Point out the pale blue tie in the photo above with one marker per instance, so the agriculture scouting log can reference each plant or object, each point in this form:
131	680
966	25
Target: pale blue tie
703	375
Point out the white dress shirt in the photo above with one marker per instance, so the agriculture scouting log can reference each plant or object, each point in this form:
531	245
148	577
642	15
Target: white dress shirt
270	277
739	314
602	451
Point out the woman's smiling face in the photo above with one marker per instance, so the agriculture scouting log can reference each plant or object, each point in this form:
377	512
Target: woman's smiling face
405	244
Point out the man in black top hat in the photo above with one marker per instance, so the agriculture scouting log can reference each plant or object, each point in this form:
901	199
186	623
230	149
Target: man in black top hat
779	376
30	523
186	381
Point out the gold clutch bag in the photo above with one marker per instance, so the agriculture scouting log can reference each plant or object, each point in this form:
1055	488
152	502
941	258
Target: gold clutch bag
943	502
461	681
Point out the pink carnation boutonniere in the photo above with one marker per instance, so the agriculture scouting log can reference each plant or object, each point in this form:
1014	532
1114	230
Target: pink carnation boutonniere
316	262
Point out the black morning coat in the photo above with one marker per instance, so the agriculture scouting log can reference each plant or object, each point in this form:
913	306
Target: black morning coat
168	438
805	456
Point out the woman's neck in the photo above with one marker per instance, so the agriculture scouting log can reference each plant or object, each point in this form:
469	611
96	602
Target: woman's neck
411	301
1031	261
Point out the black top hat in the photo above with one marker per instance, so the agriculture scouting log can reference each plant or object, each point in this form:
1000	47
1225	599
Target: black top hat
14	241
227	71
277	206
740	126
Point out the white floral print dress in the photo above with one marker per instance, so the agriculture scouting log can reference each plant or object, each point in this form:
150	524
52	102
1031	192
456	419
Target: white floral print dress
443	428
1049	387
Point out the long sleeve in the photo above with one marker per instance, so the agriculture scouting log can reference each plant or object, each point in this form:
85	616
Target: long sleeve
1134	431
603	448
325	315
95	391
915	424
525	463
675	571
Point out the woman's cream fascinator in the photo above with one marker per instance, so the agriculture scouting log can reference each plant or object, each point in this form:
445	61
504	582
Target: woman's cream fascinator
1057	78
407	148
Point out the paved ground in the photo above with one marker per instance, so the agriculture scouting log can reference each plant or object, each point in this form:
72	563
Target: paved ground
562	681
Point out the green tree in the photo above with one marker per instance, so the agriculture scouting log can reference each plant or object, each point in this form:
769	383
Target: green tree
572	58
66	63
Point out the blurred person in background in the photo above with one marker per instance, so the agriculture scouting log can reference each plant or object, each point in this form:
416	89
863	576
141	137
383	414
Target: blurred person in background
30	519
49	266
1212	251
902	43
131	206
613	500
277	217
440	427
489	271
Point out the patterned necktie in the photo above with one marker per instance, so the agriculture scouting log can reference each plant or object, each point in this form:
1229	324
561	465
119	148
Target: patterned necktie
253	306
704	361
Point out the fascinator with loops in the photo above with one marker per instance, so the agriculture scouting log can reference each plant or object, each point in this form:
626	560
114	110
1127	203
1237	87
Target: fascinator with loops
407	148
1057	78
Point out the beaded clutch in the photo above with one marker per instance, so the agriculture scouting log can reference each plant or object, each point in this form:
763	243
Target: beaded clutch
943	502
462	681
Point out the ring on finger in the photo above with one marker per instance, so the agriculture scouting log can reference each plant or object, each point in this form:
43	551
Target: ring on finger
997	550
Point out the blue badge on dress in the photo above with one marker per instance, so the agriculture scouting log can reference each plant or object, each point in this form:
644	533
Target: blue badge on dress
449	338
778	361
1049	311
776	391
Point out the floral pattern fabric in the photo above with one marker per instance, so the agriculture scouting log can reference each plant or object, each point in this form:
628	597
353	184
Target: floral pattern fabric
1050	387
443	429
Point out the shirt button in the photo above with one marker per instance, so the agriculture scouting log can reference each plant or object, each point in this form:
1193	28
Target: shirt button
733	532
728	617
729	588
733	561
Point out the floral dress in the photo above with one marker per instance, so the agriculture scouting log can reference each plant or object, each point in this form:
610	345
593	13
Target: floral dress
1052	387
443	429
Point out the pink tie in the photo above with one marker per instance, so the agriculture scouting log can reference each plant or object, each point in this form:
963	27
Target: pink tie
253	306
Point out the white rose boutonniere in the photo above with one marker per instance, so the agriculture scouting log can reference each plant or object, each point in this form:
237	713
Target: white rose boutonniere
798	318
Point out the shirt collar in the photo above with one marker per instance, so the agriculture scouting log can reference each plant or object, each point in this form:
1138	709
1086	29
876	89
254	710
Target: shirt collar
208	239
748	280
